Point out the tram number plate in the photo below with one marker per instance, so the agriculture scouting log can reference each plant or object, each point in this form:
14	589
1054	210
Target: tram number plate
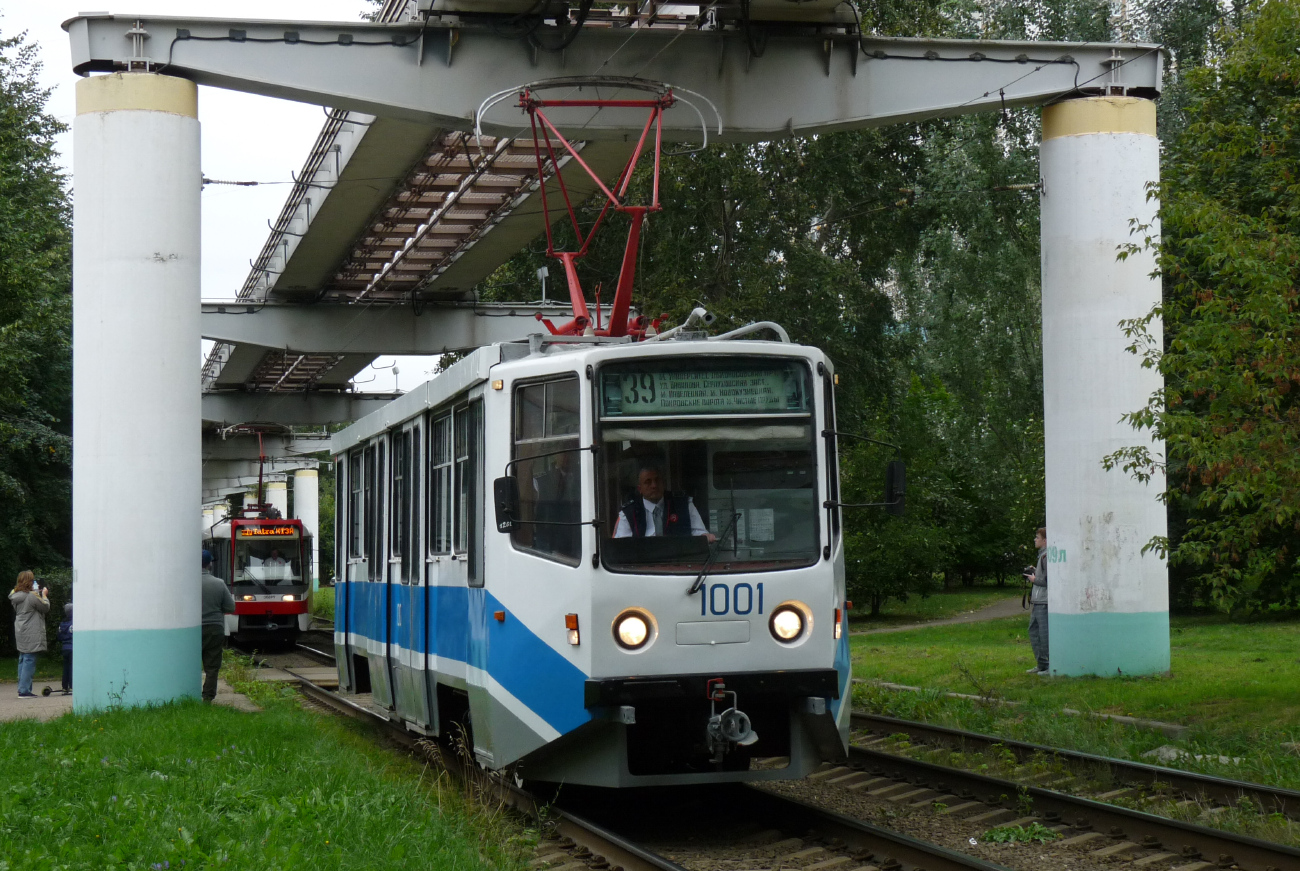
740	599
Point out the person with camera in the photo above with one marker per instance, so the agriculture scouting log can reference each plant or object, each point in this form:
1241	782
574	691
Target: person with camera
31	603
1037	577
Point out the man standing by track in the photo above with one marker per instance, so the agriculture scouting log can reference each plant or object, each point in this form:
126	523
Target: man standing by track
217	602
1038	605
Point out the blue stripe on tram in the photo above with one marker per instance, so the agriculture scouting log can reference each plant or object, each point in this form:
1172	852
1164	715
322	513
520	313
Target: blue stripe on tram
464	631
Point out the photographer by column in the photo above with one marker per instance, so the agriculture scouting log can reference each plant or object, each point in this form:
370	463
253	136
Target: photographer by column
1037	577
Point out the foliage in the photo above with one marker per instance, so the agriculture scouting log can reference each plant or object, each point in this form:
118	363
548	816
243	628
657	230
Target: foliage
326	519
35	324
1034	833
322	603
1231	351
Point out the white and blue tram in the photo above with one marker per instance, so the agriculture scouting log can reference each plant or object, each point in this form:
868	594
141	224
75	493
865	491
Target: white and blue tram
493	576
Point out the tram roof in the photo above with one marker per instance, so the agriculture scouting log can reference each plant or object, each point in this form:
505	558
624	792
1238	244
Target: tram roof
476	368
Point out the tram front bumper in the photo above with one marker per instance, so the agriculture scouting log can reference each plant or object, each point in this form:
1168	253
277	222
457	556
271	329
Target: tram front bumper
794	684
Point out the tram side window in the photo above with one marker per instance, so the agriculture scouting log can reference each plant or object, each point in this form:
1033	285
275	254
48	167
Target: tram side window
368	506
397	513
548	469
469	517
376	555
410	556
354	504
440	461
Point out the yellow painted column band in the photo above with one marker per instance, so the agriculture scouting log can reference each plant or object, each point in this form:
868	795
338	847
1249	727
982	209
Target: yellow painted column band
138	92
306	473
1099	115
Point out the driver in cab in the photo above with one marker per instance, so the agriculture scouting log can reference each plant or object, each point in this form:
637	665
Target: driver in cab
651	512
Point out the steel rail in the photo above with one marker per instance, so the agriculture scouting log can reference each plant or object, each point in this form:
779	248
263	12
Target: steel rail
780	811
600	841
323	656
1152	831
793	814
1270	799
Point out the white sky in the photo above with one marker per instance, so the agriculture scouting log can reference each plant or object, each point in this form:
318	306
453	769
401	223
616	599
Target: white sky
244	137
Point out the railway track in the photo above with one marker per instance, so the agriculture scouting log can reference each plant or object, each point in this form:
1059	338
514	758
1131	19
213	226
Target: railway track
780	831
587	827
1104	831
1192	786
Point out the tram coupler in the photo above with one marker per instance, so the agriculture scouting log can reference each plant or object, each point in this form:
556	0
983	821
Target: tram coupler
731	727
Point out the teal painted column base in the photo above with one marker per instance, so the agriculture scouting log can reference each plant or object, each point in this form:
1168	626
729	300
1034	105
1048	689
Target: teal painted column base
133	667
1109	644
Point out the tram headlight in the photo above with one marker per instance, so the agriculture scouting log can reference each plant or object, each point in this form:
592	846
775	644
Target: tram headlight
289	597
632	629
787	623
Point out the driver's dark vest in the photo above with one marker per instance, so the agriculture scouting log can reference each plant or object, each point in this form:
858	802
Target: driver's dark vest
676	520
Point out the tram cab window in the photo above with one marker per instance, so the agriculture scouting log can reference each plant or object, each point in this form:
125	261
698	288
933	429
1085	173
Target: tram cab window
268	564
724	448
548	468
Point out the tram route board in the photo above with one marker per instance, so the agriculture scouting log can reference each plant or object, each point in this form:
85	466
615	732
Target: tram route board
704	392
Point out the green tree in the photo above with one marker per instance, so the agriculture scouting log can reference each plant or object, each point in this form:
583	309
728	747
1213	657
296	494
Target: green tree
35	325
1230	354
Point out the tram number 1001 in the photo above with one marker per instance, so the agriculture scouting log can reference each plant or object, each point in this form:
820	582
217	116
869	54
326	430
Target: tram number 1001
741	599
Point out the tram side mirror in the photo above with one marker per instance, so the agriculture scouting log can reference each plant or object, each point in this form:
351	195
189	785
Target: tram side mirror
895	487
505	495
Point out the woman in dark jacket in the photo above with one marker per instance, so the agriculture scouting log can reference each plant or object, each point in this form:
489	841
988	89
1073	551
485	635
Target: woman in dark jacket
29	630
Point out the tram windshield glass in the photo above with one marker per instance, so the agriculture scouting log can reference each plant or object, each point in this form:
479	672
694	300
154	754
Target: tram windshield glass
708	454
271	563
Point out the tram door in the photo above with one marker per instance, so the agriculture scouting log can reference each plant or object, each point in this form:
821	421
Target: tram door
378	602
355	616
455	558
438	559
406	631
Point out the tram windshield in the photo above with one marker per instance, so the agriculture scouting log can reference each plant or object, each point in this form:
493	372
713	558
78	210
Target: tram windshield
704	454
265	562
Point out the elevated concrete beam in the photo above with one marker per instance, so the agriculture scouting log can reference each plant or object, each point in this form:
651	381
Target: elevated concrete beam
297	409
246	470
434	73
368	331
244	446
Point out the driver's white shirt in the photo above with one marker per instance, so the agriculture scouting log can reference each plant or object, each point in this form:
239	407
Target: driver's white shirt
624	530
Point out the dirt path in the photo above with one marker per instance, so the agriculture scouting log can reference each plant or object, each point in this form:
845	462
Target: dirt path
1004	608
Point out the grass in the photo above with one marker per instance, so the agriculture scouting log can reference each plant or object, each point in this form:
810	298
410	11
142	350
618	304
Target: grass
936	606
1234	684
322	603
188	785
49	666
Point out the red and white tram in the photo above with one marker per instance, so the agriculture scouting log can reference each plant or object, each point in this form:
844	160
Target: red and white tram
266	562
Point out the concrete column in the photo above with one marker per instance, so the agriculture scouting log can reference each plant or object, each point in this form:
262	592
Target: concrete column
220	511
306	507
136	327
1108	603
276	494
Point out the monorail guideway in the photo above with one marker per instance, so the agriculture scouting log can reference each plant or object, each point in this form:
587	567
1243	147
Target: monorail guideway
136	142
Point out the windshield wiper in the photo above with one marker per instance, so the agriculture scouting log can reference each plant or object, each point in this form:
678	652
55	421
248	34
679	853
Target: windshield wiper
265	589
713	554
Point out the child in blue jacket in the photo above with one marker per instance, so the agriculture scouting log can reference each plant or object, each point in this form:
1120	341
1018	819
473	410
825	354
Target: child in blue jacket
65	638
